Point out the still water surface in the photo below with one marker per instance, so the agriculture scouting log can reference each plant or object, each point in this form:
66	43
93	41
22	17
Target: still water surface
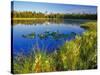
44	35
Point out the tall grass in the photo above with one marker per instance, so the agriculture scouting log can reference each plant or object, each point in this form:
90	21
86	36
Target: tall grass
77	54
80	53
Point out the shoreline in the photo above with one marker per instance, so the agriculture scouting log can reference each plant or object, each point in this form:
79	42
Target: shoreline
47	19
32	18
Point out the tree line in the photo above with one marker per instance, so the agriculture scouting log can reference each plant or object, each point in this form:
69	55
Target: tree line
30	14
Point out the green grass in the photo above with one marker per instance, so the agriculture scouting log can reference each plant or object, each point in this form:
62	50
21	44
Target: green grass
90	25
77	54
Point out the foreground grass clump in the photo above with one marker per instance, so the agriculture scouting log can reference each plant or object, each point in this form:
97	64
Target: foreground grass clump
80	53
77	54
38	62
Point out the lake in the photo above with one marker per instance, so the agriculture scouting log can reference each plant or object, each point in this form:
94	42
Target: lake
45	35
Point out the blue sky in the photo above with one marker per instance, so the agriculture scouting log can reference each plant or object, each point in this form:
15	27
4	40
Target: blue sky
53	8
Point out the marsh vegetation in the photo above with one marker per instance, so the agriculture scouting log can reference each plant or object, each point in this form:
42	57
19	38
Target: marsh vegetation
77	54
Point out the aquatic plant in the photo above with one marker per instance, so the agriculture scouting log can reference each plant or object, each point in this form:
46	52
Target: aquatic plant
30	36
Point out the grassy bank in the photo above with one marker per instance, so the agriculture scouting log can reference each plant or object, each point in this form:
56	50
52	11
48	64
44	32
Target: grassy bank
22	18
28	18
77	54
90	25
